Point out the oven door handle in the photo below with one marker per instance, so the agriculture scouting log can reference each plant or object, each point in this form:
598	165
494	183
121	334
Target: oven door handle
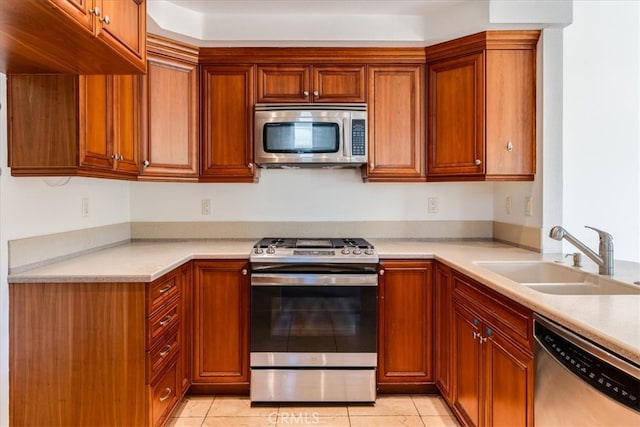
261	279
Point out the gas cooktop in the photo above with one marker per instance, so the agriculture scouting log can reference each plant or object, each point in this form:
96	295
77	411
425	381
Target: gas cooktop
313	250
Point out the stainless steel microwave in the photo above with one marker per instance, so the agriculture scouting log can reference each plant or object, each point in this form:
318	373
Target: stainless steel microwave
310	135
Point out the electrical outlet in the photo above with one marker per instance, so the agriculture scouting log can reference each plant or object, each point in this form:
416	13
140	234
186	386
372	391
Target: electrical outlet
528	206
205	207
433	205
507	205
85	207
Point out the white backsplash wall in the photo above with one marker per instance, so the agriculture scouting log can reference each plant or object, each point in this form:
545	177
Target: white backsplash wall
311	195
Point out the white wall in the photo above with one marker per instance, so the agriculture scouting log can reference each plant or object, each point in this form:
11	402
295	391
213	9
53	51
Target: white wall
311	195
30	207
601	141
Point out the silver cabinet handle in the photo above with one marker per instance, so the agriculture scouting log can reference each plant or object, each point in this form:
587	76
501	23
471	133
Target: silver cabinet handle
166	320
250	165
305	93
95	11
114	156
381	272
478	162
121	157
244	271
166	351
146	163
476	335
167	394
316	93
106	20
165	289
509	146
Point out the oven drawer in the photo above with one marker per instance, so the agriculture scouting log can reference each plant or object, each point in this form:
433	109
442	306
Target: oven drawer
298	385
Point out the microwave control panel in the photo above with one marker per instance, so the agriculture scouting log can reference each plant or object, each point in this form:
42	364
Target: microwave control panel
358	143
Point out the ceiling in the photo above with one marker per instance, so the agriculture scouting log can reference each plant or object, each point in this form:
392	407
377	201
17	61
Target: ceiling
344	22
316	7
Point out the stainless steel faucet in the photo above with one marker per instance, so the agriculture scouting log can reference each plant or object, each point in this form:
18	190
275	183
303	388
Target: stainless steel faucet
605	257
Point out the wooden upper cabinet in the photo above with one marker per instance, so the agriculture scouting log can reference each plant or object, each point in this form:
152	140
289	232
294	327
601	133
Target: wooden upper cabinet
227	123
169	131
311	83
122	25
86	125
73	36
396	117
405	354
481	107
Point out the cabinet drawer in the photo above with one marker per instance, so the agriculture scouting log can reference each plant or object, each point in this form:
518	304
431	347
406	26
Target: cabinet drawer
513	319
161	291
162	322
163	396
160	355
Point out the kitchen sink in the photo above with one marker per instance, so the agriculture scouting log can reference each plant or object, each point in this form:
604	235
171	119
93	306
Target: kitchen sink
552	278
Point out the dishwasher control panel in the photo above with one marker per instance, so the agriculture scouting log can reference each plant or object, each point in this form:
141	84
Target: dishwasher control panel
601	375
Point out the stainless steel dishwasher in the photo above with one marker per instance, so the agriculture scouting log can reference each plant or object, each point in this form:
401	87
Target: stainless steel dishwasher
577	383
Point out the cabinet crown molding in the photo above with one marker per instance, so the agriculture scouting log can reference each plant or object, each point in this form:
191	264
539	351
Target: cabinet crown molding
315	55
486	40
163	46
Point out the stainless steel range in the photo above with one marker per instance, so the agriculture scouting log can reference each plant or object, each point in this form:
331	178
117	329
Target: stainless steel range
313	320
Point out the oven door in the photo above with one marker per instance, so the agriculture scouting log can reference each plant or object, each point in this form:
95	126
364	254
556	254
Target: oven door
313	320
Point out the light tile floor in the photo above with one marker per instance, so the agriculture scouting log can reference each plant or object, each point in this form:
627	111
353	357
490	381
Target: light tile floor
388	411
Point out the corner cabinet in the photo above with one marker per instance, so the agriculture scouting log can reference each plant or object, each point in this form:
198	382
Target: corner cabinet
221	326
405	326
226	150
396	131
169	131
73	36
99	353
492	345
73	125
482	107
443	330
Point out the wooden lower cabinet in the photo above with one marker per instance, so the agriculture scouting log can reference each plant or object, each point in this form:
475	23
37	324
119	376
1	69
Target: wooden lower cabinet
99	354
221	326
405	326
492	370
443	321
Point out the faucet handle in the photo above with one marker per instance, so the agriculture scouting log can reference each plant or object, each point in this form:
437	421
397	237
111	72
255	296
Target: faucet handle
604	236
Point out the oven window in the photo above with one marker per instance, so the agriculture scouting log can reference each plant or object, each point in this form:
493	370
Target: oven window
301	137
328	319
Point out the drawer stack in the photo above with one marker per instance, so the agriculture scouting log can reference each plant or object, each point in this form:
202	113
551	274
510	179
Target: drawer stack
164	344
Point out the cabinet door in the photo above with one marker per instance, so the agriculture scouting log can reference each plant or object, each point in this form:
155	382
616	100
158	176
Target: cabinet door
284	83
456	117
126	123
78	10
510	115
468	364
406	322
95	105
227	123
509	382
396	137
221	322
338	83
170	119
443	330
122	24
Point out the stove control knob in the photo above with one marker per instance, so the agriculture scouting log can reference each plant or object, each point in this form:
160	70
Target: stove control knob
258	251
345	251
357	251
368	251
271	249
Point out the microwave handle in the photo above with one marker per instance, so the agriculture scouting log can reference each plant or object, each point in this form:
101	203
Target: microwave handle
346	137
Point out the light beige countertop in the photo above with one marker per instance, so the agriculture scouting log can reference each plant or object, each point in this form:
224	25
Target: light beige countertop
610	320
